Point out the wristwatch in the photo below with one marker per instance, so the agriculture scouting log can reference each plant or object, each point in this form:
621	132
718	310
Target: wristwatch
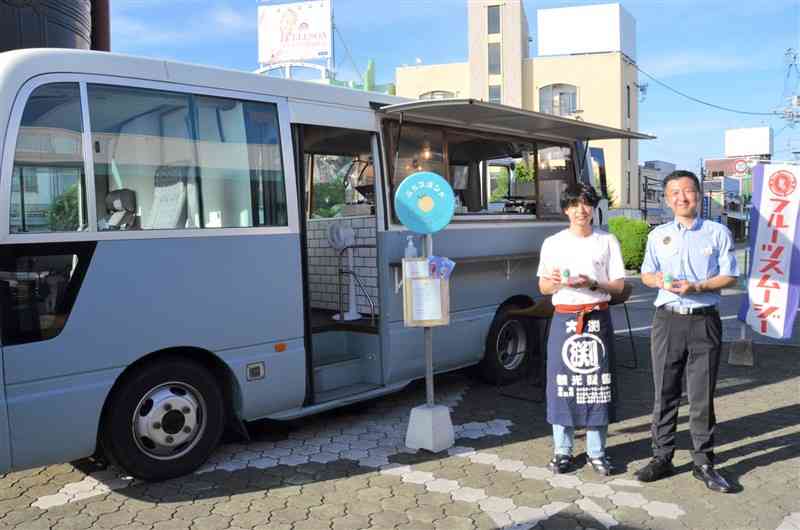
593	285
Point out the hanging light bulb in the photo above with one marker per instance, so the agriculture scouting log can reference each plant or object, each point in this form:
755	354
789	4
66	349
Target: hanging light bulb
426	151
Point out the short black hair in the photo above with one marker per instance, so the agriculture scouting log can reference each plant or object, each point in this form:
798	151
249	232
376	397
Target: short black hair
682	174
579	192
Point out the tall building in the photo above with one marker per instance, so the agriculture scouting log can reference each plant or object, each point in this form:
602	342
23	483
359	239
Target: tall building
585	68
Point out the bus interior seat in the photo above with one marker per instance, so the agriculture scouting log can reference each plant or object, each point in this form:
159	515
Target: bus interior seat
169	208
121	206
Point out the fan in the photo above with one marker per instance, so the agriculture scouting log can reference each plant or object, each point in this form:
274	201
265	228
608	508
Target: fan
340	237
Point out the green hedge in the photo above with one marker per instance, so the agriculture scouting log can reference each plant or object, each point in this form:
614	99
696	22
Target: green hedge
632	235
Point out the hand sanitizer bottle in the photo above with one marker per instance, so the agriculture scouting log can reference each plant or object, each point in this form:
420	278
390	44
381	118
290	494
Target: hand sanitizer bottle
411	250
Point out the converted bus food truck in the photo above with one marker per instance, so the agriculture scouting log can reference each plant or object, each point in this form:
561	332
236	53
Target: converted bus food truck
165	261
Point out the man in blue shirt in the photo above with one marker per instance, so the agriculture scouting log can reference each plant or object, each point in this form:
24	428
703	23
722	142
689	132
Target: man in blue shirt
689	260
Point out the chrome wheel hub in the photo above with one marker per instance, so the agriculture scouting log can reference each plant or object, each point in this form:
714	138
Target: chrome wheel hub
512	344
168	421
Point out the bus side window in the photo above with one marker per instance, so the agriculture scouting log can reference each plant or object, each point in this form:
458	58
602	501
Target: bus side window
47	188
183	161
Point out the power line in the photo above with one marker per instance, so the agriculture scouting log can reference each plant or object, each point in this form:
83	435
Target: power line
781	130
702	102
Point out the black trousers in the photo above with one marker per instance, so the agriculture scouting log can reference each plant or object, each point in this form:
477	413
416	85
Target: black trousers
687	344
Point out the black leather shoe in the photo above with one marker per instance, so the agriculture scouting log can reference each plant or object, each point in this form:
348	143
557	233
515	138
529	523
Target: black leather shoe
656	469
560	464
602	465
713	480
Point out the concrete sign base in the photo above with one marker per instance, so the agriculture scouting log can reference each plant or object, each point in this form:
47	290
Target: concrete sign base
740	353
431	428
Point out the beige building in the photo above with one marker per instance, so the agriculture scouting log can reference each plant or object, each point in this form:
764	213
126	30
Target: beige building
572	76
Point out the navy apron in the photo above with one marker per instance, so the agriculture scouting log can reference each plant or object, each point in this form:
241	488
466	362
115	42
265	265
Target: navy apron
580	383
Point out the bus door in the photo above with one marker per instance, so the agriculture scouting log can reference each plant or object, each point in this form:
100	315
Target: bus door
340	275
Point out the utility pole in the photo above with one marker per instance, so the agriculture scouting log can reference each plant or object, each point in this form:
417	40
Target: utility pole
644	194
791	112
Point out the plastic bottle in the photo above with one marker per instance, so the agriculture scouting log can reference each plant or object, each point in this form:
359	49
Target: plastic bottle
411	250
667	280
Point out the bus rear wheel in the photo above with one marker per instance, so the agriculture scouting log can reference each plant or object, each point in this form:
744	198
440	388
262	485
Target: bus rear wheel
508	348
164	420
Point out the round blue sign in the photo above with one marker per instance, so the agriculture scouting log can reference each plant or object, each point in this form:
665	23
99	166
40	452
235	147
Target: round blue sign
424	202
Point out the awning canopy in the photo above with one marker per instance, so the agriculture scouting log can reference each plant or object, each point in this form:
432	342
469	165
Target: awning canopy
479	115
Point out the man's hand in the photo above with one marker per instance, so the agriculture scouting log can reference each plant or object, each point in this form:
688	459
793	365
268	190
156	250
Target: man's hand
653	280
683	287
580	282
555	277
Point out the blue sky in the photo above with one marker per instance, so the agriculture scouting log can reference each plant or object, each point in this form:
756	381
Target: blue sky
730	53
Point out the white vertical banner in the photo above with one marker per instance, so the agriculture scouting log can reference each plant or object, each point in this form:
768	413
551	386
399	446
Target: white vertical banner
772	287
299	31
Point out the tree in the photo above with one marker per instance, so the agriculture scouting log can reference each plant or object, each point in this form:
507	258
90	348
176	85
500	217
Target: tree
63	214
523	173
500	185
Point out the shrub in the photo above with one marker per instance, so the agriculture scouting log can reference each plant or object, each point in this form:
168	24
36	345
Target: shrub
632	235
63	214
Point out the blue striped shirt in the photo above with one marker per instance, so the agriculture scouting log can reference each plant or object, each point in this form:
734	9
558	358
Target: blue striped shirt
696	253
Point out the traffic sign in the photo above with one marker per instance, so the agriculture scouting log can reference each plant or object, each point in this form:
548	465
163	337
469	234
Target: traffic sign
740	166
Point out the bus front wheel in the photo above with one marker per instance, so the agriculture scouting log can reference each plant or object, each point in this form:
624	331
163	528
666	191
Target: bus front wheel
508	348
164	420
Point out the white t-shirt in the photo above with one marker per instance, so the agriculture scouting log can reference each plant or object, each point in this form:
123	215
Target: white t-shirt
597	255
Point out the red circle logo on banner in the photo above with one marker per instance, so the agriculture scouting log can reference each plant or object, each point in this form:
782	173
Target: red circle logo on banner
782	183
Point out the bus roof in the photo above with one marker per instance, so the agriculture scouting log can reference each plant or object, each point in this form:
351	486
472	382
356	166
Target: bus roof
475	114
19	66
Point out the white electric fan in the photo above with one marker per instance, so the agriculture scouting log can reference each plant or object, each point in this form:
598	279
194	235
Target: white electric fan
340	237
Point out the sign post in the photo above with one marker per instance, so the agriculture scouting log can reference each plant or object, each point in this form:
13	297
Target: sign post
425	204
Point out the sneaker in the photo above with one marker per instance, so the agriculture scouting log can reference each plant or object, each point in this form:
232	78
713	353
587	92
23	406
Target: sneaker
656	469
602	465
560	464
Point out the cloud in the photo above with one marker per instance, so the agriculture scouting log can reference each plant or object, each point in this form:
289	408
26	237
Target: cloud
129	32
697	62
134	32
230	20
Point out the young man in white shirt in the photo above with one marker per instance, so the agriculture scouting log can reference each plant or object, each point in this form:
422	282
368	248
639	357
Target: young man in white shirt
581	267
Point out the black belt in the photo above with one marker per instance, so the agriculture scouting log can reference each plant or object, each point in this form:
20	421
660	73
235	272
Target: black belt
704	310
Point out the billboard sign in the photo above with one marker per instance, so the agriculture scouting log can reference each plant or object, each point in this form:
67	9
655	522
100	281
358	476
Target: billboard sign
299	31
751	141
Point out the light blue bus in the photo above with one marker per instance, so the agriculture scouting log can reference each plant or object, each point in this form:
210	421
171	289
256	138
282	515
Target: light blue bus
166	269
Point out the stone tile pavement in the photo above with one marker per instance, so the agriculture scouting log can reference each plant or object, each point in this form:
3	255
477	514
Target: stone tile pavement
349	469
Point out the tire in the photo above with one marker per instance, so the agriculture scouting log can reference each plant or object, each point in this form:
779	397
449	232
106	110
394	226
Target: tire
509	348
164	420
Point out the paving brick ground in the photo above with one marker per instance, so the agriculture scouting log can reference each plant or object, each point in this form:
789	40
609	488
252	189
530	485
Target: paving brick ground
349	469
